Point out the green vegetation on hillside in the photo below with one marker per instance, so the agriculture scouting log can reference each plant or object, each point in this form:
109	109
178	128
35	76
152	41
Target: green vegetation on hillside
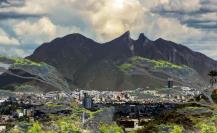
4	58
125	67
50	105
176	129
21	62
169	128
22	87
36	128
26	62
113	128
157	64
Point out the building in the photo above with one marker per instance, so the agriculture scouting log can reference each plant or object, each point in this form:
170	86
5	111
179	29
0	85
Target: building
87	101
3	128
170	83
2	101
24	111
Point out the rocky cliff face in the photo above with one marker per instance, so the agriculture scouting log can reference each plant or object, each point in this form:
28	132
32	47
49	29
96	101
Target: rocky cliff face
88	64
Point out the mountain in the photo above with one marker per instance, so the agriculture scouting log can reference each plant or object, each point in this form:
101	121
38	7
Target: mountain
85	63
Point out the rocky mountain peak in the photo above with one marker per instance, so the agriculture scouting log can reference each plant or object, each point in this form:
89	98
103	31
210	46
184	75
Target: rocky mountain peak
142	37
126	34
124	37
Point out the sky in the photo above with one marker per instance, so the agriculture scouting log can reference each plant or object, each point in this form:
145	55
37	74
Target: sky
26	24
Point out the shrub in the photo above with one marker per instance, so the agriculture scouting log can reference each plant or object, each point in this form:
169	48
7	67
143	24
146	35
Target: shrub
176	129
208	128
66	127
113	128
125	67
36	128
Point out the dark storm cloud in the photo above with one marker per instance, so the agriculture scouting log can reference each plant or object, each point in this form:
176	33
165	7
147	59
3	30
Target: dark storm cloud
14	15
2	2
11	3
201	24
8	4
203	17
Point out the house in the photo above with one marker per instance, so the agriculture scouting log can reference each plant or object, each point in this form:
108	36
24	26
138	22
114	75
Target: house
4	118
2	100
3	128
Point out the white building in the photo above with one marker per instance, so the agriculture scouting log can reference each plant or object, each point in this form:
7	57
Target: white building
2	128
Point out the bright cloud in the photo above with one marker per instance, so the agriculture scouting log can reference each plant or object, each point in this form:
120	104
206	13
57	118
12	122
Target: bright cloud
108	19
42	27
42	30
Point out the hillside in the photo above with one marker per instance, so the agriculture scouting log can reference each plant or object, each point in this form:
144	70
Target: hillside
22	74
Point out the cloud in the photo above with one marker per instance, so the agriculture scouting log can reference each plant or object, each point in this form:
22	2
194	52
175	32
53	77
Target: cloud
199	14
193	23
31	32
171	29
181	6
20	9
6	40
43	27
208	48
109	19
11	3
30	7
202	21
14	51
209	5
14	15
38	32
150	17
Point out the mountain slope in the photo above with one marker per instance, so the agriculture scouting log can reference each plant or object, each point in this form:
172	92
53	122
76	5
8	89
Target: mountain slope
174	53
16	71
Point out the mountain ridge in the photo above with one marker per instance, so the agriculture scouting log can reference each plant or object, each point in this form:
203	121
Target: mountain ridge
119	64
75	54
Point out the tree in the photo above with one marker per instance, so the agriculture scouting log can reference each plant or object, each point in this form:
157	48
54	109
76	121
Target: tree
36	128
208	128
176	129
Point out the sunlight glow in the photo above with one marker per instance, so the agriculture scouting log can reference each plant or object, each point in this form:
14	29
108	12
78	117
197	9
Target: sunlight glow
119	3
